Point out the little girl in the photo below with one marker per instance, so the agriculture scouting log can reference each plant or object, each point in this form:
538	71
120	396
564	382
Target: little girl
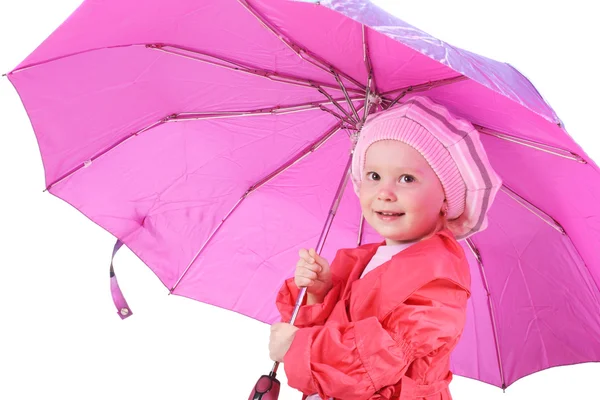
382	322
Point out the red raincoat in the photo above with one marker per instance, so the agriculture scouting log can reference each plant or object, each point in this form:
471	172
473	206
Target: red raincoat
388	335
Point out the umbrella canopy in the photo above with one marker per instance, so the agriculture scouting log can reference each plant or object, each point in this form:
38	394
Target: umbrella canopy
211	136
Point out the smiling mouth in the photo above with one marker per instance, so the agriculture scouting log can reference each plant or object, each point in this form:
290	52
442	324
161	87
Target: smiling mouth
388	214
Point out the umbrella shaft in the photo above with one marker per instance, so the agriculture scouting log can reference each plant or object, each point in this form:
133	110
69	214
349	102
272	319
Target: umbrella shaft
321	243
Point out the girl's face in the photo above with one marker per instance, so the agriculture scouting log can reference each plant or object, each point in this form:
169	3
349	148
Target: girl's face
400	195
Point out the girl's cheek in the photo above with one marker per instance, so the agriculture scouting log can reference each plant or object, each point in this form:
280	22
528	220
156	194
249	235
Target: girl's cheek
372	186
366	187
364	198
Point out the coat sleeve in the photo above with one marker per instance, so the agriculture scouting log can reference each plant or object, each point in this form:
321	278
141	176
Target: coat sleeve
355	360
308	315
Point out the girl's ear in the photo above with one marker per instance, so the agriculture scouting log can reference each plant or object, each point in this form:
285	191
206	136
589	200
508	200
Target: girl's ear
444	210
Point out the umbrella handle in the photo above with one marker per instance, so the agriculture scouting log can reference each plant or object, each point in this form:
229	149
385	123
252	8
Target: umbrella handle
267	388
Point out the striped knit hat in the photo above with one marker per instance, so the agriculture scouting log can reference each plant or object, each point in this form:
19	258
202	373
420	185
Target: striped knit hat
452	148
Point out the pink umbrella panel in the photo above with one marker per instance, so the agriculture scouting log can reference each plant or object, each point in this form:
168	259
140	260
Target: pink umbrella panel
210	138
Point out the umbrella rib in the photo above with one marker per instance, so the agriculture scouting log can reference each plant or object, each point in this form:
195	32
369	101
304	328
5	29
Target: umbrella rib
240	66
421	87
276	110
400	96
339	81
477	255
371	98
191	116
311	148
225	63
367	102
547	219
23	68
351	123
544	216
335	103
367	57
360	230
88	162
557	151
301	52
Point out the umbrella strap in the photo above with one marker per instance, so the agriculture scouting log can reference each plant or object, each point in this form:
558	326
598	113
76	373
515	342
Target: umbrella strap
122	308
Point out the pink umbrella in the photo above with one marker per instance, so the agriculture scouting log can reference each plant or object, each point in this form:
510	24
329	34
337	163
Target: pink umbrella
211	138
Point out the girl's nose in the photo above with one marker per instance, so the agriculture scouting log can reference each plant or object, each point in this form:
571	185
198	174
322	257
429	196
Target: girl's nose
386	194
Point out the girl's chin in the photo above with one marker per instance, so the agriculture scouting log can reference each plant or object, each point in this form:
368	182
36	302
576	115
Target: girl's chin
399	236
396	235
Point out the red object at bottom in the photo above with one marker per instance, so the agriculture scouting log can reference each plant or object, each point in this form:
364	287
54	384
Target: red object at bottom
267	388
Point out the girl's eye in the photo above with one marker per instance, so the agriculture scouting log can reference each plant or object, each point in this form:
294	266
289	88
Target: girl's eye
374	176
407	178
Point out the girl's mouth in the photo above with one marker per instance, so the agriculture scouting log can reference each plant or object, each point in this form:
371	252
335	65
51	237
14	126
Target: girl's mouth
388	216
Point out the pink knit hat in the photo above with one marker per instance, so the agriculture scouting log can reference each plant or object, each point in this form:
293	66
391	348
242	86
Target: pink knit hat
452	148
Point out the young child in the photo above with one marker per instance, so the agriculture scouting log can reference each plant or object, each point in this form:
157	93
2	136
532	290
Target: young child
382	321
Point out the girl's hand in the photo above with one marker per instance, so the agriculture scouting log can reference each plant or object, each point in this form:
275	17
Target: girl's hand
281	338
312	272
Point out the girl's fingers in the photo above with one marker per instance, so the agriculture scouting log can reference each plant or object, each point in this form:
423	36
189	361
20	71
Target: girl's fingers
304	254
306	273
307	268
317	259
307	265
302	282
313	267
320	260
311	275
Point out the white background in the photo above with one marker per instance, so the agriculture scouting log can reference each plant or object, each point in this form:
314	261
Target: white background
60	337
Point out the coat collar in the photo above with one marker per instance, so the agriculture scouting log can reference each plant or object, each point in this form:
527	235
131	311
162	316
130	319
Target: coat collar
360	256
368	250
